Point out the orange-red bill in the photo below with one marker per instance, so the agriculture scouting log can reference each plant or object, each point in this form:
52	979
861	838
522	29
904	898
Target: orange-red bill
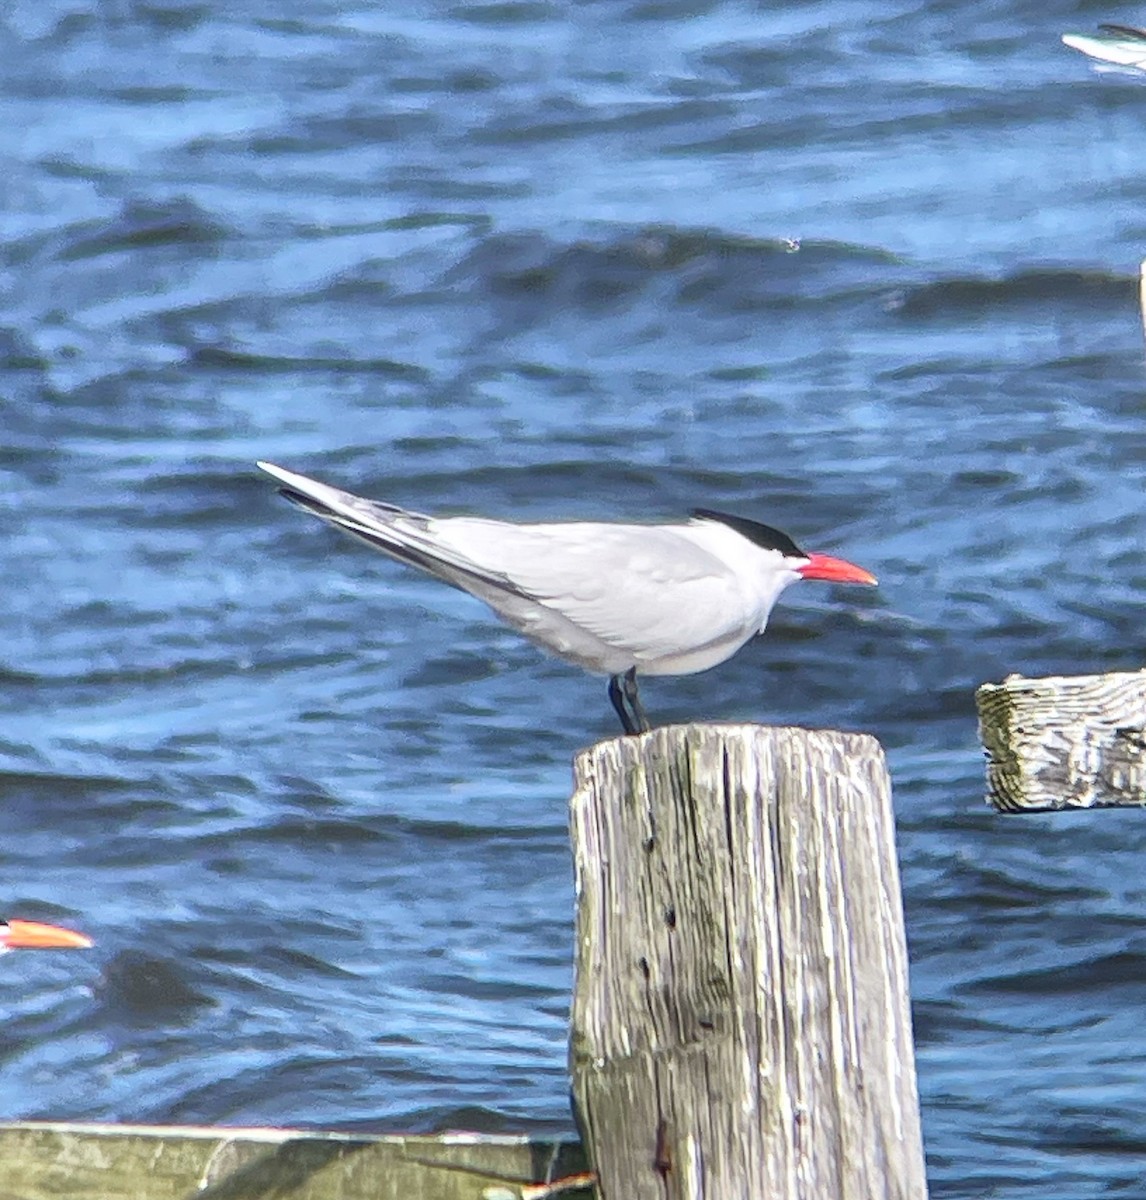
835	570
35	935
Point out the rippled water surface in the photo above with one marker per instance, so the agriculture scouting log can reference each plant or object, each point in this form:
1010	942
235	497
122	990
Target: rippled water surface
866	272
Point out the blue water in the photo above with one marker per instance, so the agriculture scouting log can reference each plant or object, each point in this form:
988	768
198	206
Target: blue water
866	272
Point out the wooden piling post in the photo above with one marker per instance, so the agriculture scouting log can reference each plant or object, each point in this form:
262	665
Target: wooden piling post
1065	742
741	1026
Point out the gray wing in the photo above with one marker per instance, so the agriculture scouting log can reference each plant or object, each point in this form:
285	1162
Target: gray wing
398	532
642	589
1122	45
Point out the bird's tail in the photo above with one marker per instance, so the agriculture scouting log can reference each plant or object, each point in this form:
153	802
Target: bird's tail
402	534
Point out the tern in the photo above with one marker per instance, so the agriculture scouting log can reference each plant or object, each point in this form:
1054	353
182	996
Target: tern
34	935
615	599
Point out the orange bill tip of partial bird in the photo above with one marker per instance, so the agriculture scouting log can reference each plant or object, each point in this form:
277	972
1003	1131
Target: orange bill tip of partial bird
835	570
36	935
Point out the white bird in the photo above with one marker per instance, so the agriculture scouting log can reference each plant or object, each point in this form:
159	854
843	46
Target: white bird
615	599
1122	45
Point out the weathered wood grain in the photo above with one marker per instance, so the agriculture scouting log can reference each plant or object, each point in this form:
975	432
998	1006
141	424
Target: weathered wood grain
1059	742
741	1027
139	1162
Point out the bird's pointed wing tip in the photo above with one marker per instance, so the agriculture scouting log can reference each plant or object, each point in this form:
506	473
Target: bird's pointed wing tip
279	473
1121	46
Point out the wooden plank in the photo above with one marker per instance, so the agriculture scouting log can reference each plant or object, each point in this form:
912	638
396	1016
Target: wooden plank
741	1023
137	1162
1064	742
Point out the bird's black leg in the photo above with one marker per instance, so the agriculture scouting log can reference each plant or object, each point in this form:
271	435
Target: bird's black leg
617	696
629	688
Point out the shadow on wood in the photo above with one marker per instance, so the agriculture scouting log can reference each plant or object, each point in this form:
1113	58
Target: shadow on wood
146	1162
741	1023
1064	742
